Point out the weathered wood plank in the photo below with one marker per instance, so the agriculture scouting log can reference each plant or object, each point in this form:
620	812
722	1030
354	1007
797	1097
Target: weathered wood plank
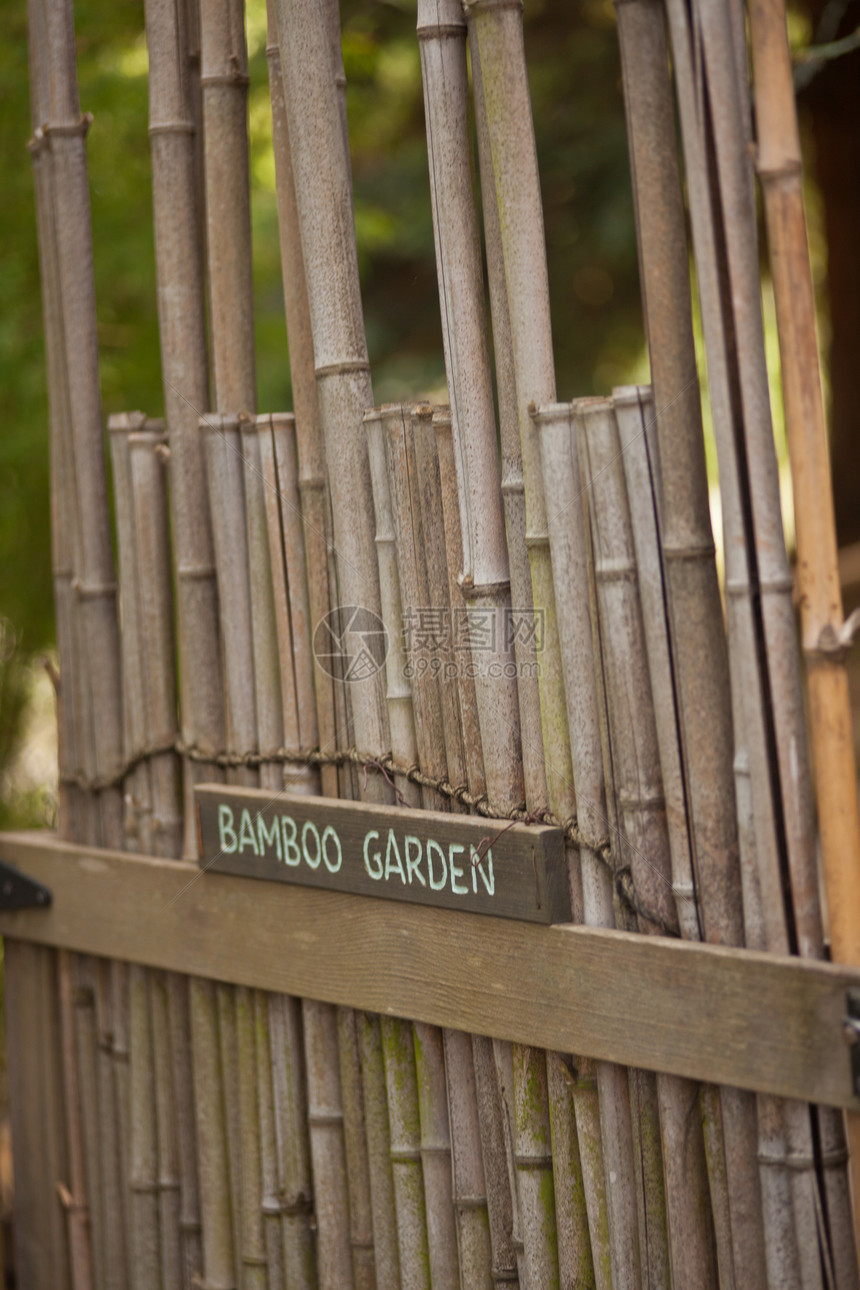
458	862
706	1012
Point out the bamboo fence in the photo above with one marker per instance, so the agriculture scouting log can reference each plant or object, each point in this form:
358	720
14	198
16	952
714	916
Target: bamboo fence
559	650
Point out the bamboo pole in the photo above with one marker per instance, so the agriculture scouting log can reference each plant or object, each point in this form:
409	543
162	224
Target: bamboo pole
291	1112
778	163
322	188
178	1193
386	1252
271	1197
175	127
443	559
485	575
666	292
641	803
328	1154
224	78
309	444
565	521
253	1257
405	1131
355	1141
176	151
83	997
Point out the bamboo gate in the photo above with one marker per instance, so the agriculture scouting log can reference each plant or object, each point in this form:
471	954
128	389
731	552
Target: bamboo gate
217	1083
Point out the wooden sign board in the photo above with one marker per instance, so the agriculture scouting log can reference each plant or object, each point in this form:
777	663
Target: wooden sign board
424	857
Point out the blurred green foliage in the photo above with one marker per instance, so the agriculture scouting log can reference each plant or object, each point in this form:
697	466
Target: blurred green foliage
579	118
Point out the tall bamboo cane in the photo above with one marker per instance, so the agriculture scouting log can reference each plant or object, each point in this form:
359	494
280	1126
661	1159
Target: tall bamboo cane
176	149
179	1210
408	523
292	1140
502	1201
639	787
311	458
326	222
779	167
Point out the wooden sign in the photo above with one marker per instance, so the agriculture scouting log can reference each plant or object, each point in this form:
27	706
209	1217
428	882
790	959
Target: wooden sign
425	857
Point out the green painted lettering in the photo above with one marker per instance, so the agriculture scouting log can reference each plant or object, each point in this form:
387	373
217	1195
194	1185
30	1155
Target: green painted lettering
226	833
413	864
431	847
376	859
247	836
329	835
456	872
310	827
292	855
483	865
268	836
390	866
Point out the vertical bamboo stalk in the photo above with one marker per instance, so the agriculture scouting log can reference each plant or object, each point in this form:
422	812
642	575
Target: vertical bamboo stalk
355	1140
562	483
328	1154
168	994
176	146
253	1260
224	78
292	1141
778	163
166	1120
311	457
405	1129
436	1157
386	1253
485	576
642	809
83	998
322	188
271	1198
143	1167
213	1164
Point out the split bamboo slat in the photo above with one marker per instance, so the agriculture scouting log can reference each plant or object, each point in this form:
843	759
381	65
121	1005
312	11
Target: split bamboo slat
557	651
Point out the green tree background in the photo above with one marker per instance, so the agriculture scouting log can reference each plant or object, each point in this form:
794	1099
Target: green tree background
579	118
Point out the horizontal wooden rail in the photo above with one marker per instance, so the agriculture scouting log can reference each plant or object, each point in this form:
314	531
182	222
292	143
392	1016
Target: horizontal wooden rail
727	1016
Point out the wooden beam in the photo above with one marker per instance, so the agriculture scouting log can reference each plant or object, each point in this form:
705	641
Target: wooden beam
727	1016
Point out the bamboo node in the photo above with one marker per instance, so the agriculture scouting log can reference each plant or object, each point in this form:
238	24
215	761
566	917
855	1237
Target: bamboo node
71	128
340	369
171	127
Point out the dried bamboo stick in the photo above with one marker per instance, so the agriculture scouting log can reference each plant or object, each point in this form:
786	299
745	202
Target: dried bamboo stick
328	1154
641	805
754	537
326	222
323	301
253	1261
405	1130
386	1253
311	457
143	1166
224	78
485	575
78	1220
436	1157
169	1188
778	164
176	146
292	1141
562	484
271	1198
243	1223
178	1193
355	1141
212	1158
83	997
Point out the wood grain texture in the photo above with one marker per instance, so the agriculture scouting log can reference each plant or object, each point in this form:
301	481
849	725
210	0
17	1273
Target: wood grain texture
713	1013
